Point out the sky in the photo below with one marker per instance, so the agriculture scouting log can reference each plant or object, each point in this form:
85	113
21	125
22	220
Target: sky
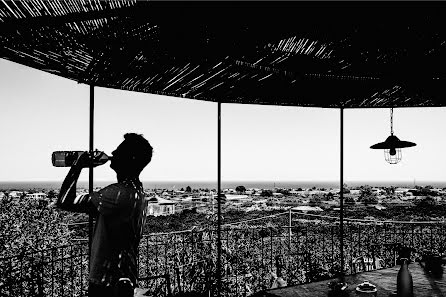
41	113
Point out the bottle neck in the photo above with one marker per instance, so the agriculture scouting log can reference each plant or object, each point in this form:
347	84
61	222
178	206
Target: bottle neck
404	262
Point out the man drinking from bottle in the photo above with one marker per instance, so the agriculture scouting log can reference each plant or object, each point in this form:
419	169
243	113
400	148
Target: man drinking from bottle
120	211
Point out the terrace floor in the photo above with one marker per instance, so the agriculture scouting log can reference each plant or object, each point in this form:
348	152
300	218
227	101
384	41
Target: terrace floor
424	284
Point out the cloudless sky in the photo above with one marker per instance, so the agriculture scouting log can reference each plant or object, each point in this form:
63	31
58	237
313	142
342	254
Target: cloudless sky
41	113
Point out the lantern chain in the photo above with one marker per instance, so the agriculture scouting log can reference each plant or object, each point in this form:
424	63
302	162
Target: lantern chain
391	121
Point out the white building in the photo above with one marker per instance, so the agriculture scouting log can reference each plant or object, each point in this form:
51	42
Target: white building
15	194
160	207
306	208
36	195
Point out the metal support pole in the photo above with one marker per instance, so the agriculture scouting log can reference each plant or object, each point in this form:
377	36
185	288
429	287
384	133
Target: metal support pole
219	272
341	199
90	176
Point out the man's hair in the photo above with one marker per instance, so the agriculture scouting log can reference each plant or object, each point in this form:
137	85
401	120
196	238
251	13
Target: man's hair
140	149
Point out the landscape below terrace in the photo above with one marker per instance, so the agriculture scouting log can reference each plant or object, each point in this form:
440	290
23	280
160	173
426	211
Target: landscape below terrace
194	208
259	244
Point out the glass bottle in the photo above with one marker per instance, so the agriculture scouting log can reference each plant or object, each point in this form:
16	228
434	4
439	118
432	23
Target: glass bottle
404	282
67	158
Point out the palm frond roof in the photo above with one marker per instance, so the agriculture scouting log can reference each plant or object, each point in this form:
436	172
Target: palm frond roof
318	54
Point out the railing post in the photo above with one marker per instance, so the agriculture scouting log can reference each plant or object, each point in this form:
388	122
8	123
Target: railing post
61	271
10	281
271	248
72	278
289	229
177	270
21	276
52	271
289	239
431	238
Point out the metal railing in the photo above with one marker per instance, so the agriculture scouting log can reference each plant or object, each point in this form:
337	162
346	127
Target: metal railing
254	253
59	271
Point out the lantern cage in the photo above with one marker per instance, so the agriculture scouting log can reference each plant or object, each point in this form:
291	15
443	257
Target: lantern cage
393	155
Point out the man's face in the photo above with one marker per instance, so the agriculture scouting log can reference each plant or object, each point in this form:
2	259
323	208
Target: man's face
120	158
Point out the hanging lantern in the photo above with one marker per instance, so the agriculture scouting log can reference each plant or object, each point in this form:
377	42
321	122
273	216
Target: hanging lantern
392	146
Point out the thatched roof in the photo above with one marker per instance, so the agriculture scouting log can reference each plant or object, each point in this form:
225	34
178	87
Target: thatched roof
323	54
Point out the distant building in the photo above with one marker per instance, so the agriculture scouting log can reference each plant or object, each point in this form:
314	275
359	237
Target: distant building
355	192
15	194
401	191
378	191
409	196
331	202
315	192
255	207
36	195
305	208
160	207
235	198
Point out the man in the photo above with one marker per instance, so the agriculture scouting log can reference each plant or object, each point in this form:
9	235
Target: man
120	211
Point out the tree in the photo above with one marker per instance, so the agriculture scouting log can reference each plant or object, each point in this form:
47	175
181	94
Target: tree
266	193
424	191
188	189
390	191
365	191
371	199
51	194
426	203
349	200
315	200
284	192
240	189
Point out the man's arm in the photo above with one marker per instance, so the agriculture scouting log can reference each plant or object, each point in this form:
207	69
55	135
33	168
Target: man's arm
67	199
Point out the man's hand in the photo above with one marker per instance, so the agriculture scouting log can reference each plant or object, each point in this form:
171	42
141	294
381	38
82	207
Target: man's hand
99	158
86	159
83	161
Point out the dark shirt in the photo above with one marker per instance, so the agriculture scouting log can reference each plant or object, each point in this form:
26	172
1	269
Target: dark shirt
121	213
